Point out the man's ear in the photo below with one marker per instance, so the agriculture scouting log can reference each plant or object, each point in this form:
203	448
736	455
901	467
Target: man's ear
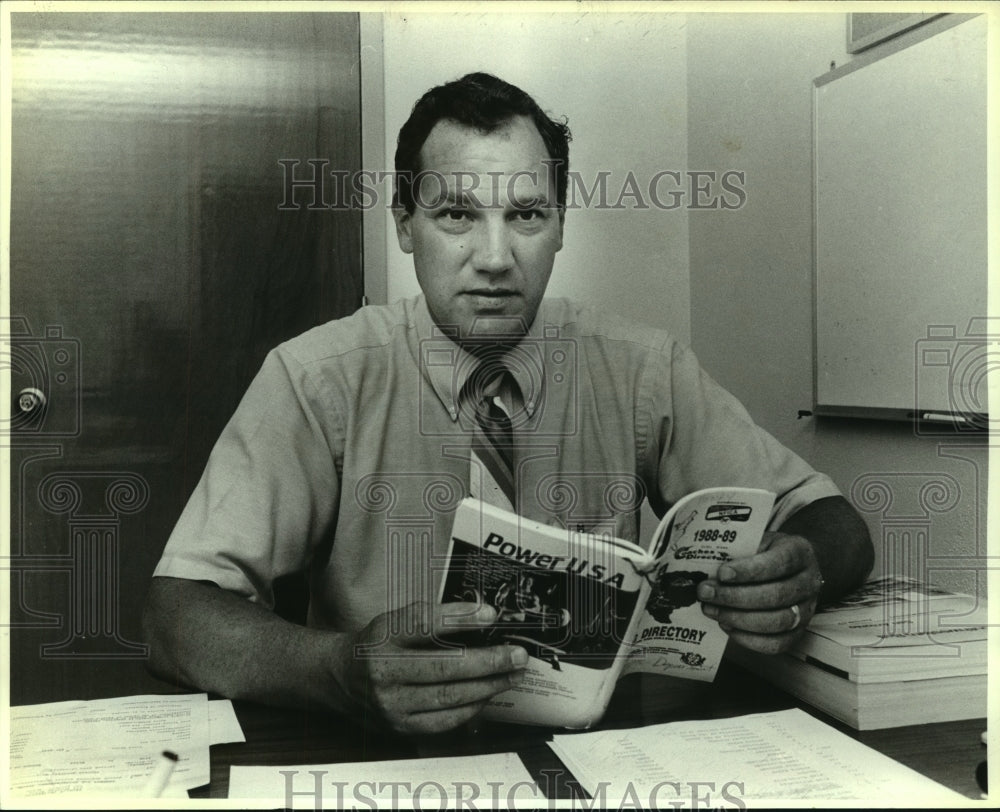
562	222
403	222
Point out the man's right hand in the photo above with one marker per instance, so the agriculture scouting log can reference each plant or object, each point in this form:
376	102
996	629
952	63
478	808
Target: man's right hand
398	669
402	667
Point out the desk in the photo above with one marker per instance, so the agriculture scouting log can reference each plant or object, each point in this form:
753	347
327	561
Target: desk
946	752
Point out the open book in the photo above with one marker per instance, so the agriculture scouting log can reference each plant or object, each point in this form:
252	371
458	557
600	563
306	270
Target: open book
589	608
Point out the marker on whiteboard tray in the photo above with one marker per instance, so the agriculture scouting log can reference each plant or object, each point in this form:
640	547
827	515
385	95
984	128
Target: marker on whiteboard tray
939	417
161	775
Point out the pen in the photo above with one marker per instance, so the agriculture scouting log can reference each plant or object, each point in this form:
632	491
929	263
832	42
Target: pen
161	775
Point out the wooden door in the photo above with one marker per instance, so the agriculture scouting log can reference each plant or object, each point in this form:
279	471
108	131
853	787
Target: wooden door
154	261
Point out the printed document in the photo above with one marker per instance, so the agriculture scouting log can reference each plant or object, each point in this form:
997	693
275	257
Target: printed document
775	759
109	747
488	781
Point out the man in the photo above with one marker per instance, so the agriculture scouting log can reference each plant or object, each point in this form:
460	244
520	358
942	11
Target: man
350	450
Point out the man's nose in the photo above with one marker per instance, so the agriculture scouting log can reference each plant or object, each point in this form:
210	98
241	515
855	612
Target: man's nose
494	253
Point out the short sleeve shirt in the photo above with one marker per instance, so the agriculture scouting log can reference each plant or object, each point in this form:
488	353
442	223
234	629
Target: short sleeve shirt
349	454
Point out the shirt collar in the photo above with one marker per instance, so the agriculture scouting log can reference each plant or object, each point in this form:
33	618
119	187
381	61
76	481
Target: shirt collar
447	366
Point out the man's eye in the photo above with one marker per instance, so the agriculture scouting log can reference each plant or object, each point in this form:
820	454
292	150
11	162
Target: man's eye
455	215
527	215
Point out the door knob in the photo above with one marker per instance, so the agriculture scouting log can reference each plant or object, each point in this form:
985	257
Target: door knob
30	400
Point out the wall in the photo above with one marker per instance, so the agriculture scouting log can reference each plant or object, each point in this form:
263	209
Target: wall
620	82
750	93
709	92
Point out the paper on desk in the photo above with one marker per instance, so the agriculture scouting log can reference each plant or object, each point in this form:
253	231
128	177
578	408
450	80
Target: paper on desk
223	725
486	781
777	759
107	746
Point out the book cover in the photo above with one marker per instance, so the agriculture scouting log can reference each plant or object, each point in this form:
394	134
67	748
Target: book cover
897	628
673	636
586	606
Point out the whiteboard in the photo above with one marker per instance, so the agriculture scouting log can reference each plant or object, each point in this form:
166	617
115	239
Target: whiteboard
899	248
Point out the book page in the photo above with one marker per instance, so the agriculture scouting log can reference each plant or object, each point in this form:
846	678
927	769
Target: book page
702	532
782	758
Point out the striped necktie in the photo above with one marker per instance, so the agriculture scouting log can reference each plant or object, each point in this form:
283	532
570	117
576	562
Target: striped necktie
493	435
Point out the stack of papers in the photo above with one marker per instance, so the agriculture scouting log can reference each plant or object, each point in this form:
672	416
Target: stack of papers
781	758
109	747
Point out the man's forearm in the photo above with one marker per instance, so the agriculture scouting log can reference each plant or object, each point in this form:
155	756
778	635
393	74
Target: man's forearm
205	637
841	541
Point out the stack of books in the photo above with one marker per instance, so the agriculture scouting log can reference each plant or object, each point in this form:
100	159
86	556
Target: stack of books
896	652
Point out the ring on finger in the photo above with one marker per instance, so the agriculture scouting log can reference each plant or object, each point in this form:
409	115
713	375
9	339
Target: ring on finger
796	616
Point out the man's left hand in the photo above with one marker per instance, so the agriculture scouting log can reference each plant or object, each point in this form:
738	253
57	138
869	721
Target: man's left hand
766	600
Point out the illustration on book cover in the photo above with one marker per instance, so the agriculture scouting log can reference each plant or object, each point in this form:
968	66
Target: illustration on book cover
572	611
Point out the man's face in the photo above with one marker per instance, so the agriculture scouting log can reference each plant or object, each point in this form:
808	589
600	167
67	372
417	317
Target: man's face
485	229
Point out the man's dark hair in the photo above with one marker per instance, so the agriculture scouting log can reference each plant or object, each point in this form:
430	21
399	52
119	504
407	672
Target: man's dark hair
482	102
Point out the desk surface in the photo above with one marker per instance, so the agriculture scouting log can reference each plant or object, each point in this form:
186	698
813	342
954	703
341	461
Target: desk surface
947	752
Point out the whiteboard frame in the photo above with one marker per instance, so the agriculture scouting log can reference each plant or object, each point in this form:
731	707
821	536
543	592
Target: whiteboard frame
877	53
856	43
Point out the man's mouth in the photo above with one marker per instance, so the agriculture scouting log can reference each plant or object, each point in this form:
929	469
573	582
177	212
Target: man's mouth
492	293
